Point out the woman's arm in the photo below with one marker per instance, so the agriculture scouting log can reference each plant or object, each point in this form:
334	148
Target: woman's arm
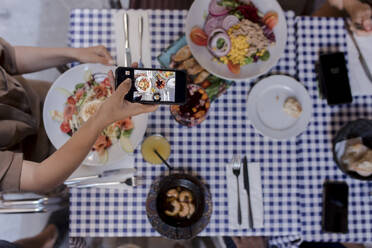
31	59
360	14
58	167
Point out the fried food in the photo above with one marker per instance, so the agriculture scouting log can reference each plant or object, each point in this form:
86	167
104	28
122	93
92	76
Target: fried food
182	54
185	196
176	208
201	77
180	203
196	69
292	107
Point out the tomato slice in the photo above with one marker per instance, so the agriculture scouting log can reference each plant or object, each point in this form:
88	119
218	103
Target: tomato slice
269	14
234	68
271	22
271	19
198	36
65	127
71	100
106	82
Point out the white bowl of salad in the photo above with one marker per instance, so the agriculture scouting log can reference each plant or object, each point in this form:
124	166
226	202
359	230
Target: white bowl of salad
236	39
73	98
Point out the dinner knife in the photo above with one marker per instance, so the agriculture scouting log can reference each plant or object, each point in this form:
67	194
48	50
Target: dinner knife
140	31
247	188
103	174
361	57
127	55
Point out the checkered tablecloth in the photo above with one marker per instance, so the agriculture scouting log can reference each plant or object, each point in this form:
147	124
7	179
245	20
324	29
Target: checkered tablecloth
292	171
316	36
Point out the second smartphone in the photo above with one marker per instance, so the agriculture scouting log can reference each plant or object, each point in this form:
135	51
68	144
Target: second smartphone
153	86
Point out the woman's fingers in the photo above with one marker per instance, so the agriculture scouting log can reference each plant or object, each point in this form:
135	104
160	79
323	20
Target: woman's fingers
124	87
111	78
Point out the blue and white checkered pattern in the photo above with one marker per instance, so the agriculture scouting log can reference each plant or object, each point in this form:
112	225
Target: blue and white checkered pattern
202	150
292	171
316	36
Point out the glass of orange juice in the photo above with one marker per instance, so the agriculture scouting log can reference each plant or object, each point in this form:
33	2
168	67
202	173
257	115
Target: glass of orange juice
155	142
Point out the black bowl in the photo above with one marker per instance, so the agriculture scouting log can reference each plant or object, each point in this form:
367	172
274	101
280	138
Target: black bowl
175	227
358	128
186	182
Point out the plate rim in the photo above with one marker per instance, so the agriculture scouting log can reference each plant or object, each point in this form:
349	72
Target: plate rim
45	114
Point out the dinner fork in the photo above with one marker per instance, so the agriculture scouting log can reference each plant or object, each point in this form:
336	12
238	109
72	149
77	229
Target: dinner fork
236	171
131	181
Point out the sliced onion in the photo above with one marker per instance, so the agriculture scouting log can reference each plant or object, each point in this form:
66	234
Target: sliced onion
217	10
212	43
229	21
212	23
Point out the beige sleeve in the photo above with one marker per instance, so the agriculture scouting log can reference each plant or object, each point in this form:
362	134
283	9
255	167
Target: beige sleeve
10	171
337	3
7	57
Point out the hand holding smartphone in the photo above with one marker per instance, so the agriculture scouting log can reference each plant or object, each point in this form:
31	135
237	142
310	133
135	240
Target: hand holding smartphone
153	86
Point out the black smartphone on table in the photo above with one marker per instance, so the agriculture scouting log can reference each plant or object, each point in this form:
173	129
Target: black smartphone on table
153	86
335	207
334	79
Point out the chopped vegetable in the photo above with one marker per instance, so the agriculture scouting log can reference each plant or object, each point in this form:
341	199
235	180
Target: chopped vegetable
234	68
217	10
229	21
78	86
219	43
126	144
265	56
198	36
229	4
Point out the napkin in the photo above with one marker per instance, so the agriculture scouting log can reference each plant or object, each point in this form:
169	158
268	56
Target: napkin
134	39
254	173
359	82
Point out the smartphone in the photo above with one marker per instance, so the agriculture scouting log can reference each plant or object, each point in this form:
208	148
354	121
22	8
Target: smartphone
153	86
334	79
335	207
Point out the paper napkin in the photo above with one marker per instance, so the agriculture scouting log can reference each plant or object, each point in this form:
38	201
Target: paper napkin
134	38
254	172
359	82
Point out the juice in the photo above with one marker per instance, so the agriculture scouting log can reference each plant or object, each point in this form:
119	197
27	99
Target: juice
159	143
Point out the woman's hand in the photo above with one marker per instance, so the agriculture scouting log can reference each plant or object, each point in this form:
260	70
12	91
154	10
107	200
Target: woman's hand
117	108
360	14
95	54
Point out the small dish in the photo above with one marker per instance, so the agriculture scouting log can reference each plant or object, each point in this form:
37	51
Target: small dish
176	228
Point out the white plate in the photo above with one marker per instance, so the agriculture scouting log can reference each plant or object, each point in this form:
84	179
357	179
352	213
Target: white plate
196	17
265	107
55	100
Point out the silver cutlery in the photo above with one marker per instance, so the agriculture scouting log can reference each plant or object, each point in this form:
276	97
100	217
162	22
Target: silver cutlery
140	30
131	181
127	55
36	209
247	189
236	171
107	173
361	57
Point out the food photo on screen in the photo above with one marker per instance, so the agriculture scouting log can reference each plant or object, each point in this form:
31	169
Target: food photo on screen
154	86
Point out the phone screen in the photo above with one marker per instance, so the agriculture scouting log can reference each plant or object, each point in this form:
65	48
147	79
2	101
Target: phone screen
154	86
335	207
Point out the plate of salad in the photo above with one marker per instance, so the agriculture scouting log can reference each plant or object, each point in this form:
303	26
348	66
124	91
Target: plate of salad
73	98
236	39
